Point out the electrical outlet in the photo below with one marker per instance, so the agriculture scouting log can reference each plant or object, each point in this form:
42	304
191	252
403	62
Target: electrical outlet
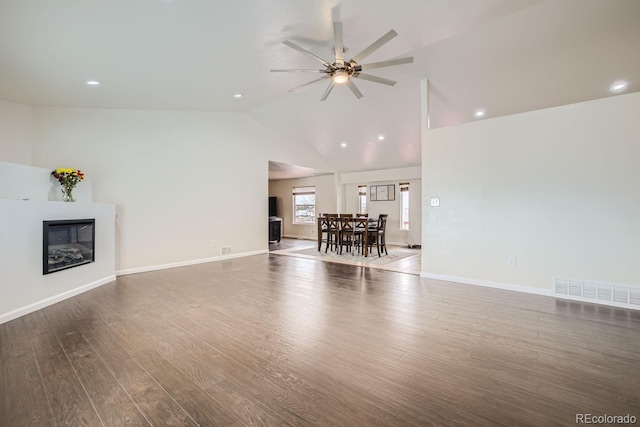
511	261
435	201
213	243
225	250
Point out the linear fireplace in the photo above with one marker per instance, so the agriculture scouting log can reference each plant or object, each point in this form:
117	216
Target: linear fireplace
67	244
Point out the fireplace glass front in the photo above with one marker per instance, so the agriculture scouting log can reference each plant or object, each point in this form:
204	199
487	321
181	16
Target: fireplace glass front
67	244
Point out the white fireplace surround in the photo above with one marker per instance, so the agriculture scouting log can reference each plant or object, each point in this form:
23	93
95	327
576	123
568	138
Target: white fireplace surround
23	288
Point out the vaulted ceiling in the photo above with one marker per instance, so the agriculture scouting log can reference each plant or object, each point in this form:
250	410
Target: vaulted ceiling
502	56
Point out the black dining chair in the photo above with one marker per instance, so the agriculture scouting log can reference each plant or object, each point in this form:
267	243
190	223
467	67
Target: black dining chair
377	234
323	226
333	232
346	236
360	223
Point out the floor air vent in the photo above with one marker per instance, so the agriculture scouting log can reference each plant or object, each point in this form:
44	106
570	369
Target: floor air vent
604	293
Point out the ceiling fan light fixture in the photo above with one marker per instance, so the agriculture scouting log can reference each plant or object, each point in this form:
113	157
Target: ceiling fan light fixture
340	77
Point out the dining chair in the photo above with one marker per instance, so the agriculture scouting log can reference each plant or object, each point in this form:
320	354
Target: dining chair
360	224
346	237
333	232
323	226
377	234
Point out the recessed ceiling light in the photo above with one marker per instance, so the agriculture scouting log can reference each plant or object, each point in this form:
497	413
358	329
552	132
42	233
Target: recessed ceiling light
93	82
618	86
380	137
237	95
479	113
343	145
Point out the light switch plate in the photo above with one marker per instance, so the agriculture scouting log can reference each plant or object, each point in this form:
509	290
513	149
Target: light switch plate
435	201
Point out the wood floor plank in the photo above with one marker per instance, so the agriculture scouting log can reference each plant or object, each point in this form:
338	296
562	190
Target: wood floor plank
337	411
205	410
109	398
153	401
276	340
22	396
71	406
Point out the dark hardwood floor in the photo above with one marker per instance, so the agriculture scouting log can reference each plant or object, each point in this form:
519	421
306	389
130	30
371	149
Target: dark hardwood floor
277	340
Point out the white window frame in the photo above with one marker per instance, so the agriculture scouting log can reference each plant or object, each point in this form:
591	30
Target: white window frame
302	192
362	199
404	206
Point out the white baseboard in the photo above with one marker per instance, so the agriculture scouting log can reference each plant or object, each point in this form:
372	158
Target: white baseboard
520	288
14	314
186	263
488	284
397	244
291	236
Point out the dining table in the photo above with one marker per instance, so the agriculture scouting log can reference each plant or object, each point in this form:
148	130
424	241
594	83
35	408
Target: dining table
359	226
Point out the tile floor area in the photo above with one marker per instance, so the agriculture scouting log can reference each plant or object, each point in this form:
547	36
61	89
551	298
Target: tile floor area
409	265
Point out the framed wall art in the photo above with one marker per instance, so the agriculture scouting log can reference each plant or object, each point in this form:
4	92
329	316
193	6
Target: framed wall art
383	193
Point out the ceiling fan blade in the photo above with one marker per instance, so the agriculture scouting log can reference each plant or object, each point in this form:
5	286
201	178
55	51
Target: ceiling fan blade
298	70
389	63
306	52
374	46
354	89
327	92
309	83
375	79
339	47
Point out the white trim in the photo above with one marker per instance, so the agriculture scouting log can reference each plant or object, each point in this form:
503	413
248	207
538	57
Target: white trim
403	244
190	262
593	300
14	314
292	236
520	288
488	284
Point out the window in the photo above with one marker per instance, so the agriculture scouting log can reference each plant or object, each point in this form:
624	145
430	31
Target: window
404	206
304	205
362	199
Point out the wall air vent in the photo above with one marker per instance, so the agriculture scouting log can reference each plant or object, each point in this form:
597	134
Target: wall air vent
603	293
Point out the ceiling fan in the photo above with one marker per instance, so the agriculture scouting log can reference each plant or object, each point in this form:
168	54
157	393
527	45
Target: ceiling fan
343	72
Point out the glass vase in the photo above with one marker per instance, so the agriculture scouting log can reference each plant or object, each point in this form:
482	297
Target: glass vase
67	195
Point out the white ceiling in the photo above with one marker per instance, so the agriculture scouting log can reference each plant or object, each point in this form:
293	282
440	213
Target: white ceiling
504	56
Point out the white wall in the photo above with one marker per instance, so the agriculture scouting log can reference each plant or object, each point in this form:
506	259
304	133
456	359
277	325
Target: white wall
325	202
15	132
186	184
382	175
411	175
23	287
556	188
22	182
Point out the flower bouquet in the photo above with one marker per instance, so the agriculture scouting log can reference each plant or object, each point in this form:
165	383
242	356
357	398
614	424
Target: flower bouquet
68	178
